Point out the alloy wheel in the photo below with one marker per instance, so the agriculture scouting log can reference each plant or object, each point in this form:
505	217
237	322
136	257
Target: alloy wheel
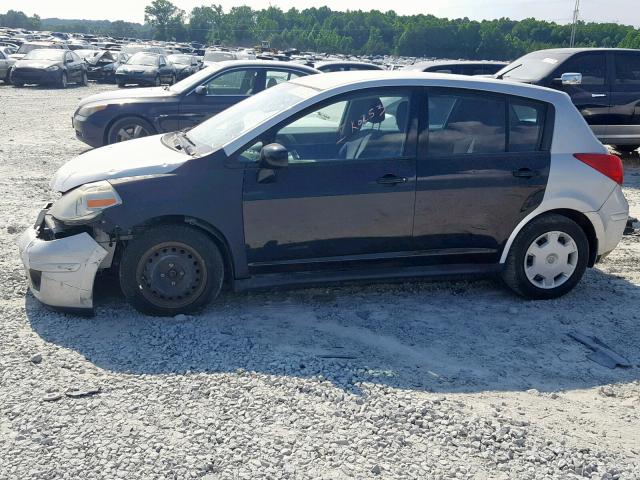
129	132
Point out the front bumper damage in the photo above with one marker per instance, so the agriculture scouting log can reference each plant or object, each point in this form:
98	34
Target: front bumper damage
61	272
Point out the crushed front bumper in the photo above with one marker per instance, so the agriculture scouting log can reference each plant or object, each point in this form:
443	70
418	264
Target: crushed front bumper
61	272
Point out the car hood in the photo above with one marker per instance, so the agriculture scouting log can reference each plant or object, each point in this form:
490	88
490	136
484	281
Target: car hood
143	156
117	96
35	63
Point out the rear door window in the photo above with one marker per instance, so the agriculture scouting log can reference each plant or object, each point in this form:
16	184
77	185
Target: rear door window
274	77
627	71
526	124
466	123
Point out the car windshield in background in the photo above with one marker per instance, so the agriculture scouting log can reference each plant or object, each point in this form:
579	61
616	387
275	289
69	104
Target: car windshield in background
194	80
45	54
248	114
26	48
532	67
143	59
181	59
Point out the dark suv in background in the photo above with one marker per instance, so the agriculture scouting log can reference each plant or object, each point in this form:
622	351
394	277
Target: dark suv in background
603	83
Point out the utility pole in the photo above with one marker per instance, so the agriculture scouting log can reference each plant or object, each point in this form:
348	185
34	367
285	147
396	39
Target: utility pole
574	26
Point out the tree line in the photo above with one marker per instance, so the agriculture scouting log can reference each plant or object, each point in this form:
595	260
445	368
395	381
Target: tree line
353	32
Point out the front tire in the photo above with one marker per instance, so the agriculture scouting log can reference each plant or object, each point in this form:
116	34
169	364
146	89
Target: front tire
547	259
64	80
171	269
129	128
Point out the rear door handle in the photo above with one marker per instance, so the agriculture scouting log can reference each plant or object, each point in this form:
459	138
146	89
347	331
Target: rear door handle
598	95
391	179
525	173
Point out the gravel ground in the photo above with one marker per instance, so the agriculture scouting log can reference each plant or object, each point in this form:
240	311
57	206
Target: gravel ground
415	380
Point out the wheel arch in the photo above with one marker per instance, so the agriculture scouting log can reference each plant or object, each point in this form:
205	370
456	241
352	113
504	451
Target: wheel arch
580	218
211	231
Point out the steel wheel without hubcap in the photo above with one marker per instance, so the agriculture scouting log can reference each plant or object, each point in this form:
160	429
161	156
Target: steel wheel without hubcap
129	132
171	275
551	260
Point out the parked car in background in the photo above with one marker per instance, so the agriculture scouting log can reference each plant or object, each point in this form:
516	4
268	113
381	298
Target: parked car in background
603	83
458	67
49	66
333	177
117	116
133	48
29	46
6	64
185	65
8	49
212	56
86	54
145	68
344	66
103	65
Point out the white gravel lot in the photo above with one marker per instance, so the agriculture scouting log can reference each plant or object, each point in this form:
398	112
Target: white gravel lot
415	380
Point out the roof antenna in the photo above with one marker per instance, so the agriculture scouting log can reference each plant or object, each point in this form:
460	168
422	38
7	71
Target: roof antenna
574	26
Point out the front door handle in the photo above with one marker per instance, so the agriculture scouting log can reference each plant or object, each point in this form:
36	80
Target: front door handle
525	173
598	95
391	179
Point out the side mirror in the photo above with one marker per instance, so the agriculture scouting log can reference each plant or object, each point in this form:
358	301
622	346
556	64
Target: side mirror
571	79
201	90
274	156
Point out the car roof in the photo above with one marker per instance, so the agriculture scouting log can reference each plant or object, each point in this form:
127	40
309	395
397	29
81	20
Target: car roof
346	63
434	63
266	63
570	51
399	78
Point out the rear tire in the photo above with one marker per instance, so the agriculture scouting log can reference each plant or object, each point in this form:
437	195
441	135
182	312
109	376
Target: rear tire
156	81
171	269
85	79
547	259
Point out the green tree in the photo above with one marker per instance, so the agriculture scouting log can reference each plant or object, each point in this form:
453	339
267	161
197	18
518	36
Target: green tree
166	18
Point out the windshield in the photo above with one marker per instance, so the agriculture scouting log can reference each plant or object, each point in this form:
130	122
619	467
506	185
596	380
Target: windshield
45	54
194	80
143	59
182	59
231	123
532	67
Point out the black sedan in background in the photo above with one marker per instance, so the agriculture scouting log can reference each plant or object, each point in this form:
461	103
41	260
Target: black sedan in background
122	115
185	65
103	65
49	66
144	68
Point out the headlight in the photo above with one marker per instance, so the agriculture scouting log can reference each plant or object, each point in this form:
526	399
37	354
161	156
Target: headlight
52	68
90	109
85	202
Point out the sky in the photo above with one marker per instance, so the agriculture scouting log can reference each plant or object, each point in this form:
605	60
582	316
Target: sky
620	11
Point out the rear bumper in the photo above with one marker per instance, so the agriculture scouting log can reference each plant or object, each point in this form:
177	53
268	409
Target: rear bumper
610	221
61	272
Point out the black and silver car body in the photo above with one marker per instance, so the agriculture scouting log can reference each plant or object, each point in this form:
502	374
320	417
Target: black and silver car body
603	83
103	65
49	66
185	64
116	116
344	176
459	67
144	68
344	66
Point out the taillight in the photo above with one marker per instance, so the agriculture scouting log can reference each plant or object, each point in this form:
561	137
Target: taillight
608	165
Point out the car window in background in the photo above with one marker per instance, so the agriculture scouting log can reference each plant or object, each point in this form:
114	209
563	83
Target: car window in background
627	69
236	82
143	59
593	68
45	54
274	77
354	128
475	124
532	67
238	119
526	124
